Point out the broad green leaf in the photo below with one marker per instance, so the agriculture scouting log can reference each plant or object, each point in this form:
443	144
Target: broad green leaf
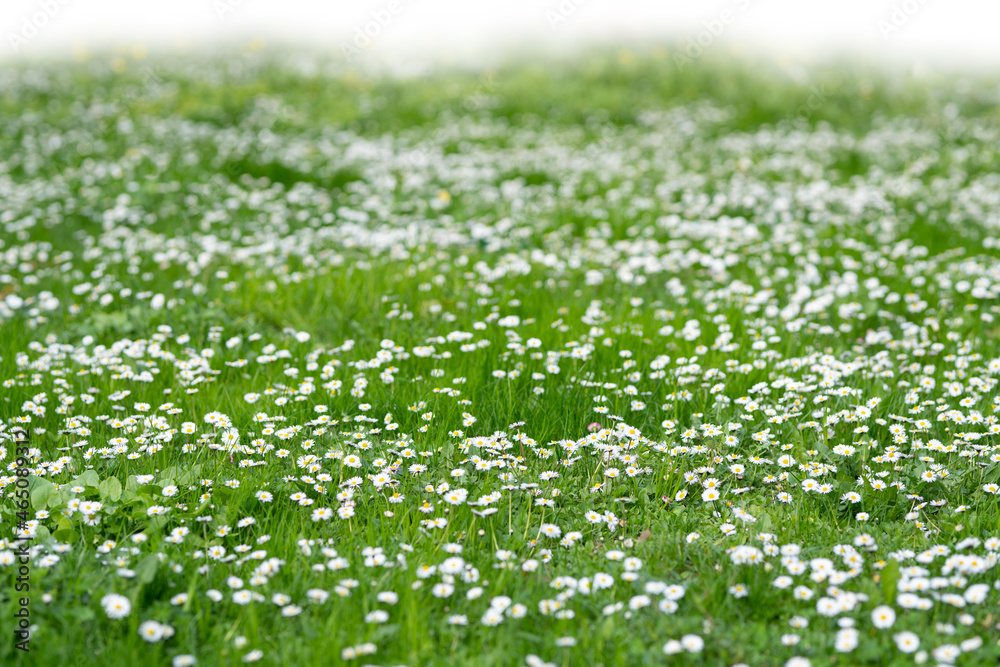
145	571
65	535
110	489
40	492
83	613
87	478
189	475
890	577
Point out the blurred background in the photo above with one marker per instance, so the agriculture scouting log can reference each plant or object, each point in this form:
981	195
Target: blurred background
923	33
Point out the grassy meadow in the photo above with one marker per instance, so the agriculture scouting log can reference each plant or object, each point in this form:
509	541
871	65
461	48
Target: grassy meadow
615	360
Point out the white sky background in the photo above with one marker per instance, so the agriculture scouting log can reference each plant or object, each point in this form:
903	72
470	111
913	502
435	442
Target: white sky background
931	33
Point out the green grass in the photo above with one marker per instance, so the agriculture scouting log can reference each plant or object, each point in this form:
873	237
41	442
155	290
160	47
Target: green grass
690	252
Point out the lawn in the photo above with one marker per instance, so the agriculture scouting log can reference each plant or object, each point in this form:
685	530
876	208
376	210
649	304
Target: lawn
619	359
